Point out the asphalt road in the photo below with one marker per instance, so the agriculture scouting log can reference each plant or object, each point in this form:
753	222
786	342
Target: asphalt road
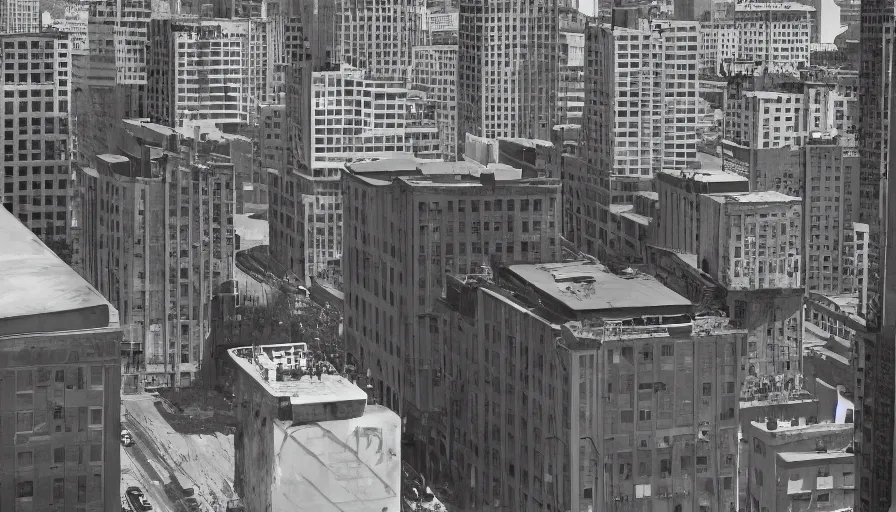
136	458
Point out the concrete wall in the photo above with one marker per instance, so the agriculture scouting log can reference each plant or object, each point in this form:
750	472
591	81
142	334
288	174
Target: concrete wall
256	411
48	378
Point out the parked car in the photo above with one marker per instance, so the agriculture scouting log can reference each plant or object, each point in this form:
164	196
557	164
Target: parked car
126	438
137	499
192	504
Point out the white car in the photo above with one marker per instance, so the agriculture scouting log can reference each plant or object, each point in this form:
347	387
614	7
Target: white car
126	438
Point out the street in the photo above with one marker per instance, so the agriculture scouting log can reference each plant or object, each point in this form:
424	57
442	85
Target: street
203	462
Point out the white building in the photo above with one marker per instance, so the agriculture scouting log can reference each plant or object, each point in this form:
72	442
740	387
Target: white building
379	35
19	16
210	70
351	117
435	71
571	90
74	22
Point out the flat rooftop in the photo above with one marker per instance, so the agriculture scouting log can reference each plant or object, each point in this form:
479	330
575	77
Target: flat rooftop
586	286
785	428
40	293
309	397
829	457
768	196
705	175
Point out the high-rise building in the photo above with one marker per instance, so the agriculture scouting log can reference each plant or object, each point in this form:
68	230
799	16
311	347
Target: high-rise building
407	223
558	400
571	88
207	70
19	16
640	117
379	35
310	444
830	210
59	343
435	72
751	35
36	141
334	132
156	238
508	65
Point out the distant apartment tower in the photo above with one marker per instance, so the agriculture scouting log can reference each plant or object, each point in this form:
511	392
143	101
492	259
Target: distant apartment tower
751	244
640	116
19	16
408	223
74	22
752	35
677	220
36	140
379	35
831	203
435	72
157	240
61	419
508	61
543	370
322	137
214	70
571	88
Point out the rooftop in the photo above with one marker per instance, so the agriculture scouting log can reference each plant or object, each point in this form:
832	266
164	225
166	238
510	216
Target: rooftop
773	6
40	292
587	286
529	143
300	390
785	428
769	196
705	175
830	457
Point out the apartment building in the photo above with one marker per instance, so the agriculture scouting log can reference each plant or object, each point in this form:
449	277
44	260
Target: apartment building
830	210
508	60
271	152
346	455
435	72
350	117
571	88
20	17
156	236
442	25
638	118
36	141
74	22
751	244
545	371
771	34
207	70
677	219
832	328
798	462
119	31
379	36
59	342
407	223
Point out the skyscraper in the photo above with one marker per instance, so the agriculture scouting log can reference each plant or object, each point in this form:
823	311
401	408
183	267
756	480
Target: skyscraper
508	65
19	16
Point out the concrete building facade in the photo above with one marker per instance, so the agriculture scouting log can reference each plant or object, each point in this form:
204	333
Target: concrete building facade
36	139
59	342
310	444
379	36
156	223
435	72
207	70
407	223
508	65
638	119
20	16
608	408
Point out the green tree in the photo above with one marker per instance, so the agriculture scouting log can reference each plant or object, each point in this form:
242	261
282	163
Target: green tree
62	249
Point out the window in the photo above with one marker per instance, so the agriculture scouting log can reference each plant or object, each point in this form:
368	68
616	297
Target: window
25	489
96	416
667	351
96	376
707	389
58	488
644	415
24	459
59	455
824	497
24	380
96	453
24	421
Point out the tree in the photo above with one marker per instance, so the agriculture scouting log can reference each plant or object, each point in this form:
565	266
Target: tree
62	249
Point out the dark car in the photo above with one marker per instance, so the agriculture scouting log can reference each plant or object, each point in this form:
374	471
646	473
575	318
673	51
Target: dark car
192	504
137	499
